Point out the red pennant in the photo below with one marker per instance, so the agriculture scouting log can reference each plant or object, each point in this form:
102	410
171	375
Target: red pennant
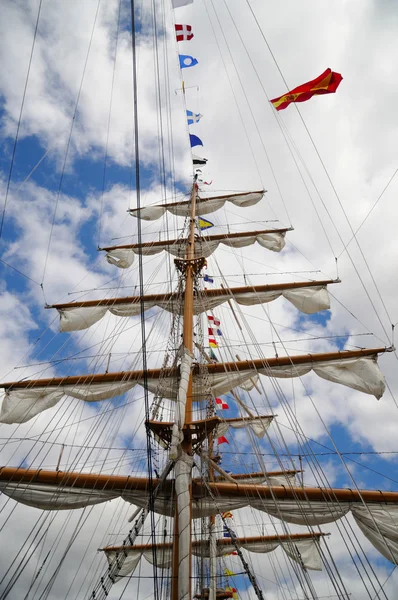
222	440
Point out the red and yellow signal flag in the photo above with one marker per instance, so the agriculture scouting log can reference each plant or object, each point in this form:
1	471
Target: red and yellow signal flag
327	83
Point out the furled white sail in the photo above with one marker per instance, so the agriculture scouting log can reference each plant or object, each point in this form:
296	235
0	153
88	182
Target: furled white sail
308	300
124	257
177	435
259	427
51	497
204	206
21	404
378	522
288	479
305	552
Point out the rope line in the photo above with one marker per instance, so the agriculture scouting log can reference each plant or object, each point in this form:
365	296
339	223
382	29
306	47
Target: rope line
19	120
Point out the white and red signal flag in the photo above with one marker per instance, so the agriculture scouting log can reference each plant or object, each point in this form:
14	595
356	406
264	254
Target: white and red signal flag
183	32
214	321
221	403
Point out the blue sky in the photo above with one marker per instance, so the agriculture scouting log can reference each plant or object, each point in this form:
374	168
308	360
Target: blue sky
355	138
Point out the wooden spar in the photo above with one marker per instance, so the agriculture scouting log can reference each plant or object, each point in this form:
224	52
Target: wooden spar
261	474
90	481
94	481
216	418
263	363
187	443
297	493
248	420
88	378
273	287
242	365
120	483
202	200
224	542
206	238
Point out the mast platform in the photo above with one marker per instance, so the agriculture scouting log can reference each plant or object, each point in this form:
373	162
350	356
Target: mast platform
195	432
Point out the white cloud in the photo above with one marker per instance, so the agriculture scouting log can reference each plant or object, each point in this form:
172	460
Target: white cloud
354	132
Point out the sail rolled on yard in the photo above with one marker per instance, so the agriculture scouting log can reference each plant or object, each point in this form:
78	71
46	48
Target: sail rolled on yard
374	511
204	206
308	296
257	425
303	549
357	369
123	256
271	478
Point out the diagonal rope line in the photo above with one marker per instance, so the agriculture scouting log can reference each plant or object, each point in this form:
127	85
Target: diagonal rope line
336	195
69	139
19	121
371	210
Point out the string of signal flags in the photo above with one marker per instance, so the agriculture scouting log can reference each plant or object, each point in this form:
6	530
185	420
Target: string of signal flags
326	83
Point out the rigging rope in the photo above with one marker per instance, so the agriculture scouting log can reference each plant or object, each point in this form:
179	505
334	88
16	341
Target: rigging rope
19	120
69	140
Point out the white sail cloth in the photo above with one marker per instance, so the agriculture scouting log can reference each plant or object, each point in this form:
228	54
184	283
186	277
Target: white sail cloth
258	426
177	436
288	479
378	522
204	206
308	300
363	374
305	552
51	497
124	257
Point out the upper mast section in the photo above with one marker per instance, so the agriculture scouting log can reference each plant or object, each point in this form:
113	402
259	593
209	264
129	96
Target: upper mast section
182	547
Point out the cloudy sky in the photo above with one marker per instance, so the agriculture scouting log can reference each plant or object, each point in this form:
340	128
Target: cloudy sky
67	179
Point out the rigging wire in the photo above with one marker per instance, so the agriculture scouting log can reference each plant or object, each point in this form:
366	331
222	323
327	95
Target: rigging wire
19	272
371	210
335	193
233	94
249	105
281	396
108	126
151	505
20	120
69	140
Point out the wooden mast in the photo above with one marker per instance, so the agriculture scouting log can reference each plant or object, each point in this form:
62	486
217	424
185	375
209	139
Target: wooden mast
188	346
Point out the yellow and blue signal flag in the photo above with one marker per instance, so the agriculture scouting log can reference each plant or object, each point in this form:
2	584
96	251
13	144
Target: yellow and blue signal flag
204	224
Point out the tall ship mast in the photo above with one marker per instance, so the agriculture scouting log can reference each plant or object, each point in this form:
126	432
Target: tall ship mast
216	491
